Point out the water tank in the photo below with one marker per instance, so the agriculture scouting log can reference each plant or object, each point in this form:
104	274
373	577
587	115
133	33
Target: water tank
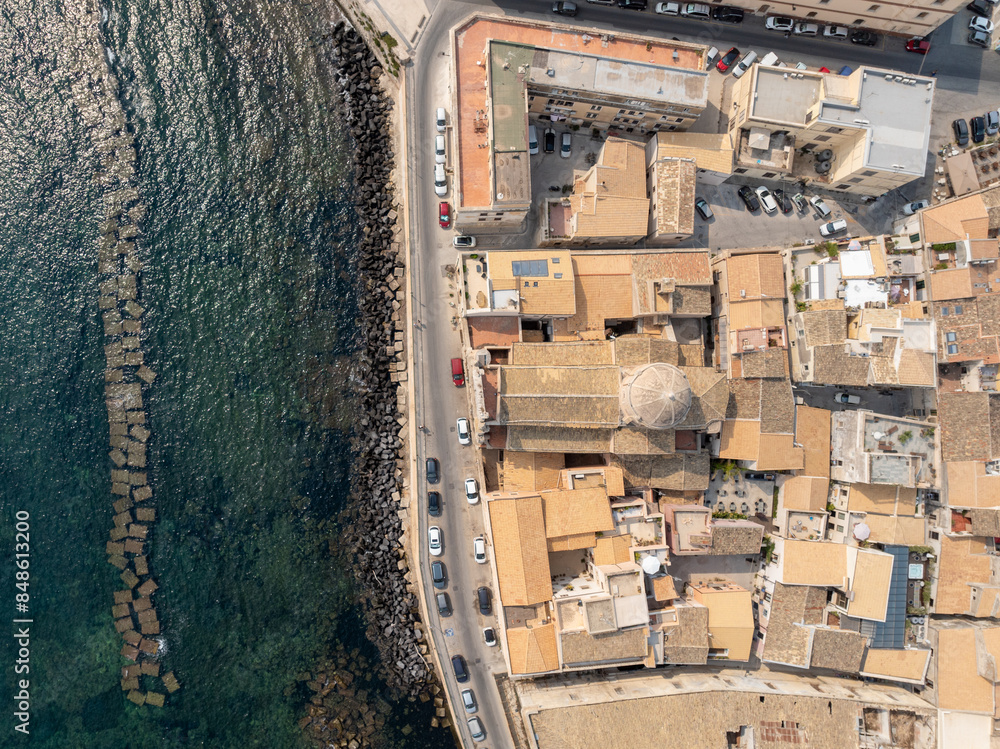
822	167
825	155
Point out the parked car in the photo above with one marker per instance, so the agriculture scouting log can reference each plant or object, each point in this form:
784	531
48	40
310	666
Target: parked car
981	8
532	140
992	122
696	10
771	59
910	208
961	130
728	14
461	672
704	209
918	44
865	38
463	241
978	23
462	427
710	58
440	181
438	575
564	8
806	29
782	200
472	491
800	202
443	604
779	23
632	4
435	541
842	397
434	504
485	599
490	637
457	372
727	59
767	201
550	140
748	198
978	129
439	119
835	32
433	476
668	9
979	38
476	729
439	154
567	145
469	701
833	227
444	214
820	205
479	549
744	65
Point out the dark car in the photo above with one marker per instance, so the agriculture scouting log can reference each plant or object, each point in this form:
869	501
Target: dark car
550	140
434	503
461	673
485	601
564	8
443	604
438	574
704	209
961	132
865	38
632	4
432	471
728	14
978	129
979	38
782	200
727	59
749	198
982	8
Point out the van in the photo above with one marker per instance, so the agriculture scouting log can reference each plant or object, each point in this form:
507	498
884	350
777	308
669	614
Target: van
743	65
444	605
769	59
532	140
457	372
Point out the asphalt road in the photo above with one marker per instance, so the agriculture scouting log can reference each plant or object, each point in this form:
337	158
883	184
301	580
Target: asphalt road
439	404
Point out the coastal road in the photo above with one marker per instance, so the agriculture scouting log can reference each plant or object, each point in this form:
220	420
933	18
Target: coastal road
438	403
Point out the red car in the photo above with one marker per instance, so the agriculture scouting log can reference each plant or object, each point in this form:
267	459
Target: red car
727	60
444	214
918	44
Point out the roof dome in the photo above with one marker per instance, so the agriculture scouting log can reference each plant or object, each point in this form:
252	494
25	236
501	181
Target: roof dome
657	396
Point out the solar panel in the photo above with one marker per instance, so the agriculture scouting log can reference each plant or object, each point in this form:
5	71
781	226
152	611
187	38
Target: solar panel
530	268
892	632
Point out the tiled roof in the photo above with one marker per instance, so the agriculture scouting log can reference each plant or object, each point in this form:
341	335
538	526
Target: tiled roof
755	313
771	363
812	432
663	588
808	493
600	298
777	407
897	665
530	472
814	563
519	548
963	561
916	368
885	499
787	641
677	472
959	686
580	648
493	331
552	294
534	650
710	394
967	421
742	440
970	486
838	650
985	522
955	220
675	184
823	327
687	642
892	529
955	283
711	151
570	512
743	538
558	439
730	619
870	585
832	365
755	277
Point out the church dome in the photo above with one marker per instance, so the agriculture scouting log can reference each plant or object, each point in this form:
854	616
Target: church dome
656	396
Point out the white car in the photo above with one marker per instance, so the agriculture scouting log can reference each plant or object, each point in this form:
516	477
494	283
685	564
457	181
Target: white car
835	32
779	23
490	637
439	154
767	201
744	65
472	491
806	29
981	24
479	549
917	205
464	438
435	541
668	9
567	145
440	181
834	227
532	140
821	207
463	241
439	119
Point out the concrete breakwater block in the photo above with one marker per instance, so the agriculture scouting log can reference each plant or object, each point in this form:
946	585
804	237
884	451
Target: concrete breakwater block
123	504
143	603
128	577
118	533
134	310
142	493
131	652
154	698
128	394
151	647
133	358
123	596
113	547
170	682
117	456
146	374
145	514
147	588
137	478
131	636
123	624
140	433
118	561
141	566
136	417
123	519
131	327
132	546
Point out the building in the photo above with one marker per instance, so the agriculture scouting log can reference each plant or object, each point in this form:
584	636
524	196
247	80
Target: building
712	153
511	72
870	448
905	18
864	133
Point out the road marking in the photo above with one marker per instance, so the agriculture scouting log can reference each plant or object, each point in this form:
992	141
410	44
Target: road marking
449	632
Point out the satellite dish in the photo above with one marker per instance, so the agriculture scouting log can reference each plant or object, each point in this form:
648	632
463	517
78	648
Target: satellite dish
862	531
650	564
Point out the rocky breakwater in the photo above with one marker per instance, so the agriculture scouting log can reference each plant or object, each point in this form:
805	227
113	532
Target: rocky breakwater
374	530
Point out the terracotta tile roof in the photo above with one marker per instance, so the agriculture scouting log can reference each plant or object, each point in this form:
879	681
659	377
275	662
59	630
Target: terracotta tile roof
530	472
951	284
663	588
757	275
967	426
917	368
955	220
963	561
959	686
637	440
570	512
985	522
893	529
870	585
634	351
711	151
590	264
812	432
832	365
880	498
687	642
613	550
814	563
756	313
493	331
738	538
806	493
520	551
742	440
600	298
610	199
788	641
673	211
988	604
772	364
710	393
777	407
552	294
838	650
984	249
970	486
897	665
823	327
584	353
538	438
579	648
533	651
678	472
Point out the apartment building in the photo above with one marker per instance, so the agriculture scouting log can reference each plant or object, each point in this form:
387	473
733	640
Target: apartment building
864	133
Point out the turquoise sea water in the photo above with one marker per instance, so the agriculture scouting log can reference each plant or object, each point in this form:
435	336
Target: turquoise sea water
243	163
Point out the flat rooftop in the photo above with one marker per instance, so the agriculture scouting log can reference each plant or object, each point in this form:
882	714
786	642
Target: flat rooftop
784	95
